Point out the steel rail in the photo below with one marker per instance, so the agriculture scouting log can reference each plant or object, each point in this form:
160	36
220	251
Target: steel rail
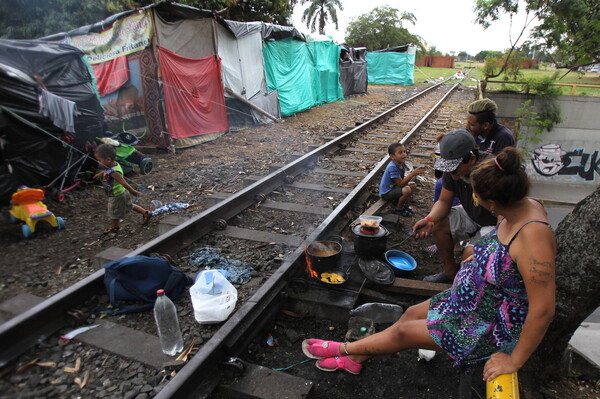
32	326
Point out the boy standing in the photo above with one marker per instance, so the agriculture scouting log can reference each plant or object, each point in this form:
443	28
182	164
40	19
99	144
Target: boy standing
117	189
396	186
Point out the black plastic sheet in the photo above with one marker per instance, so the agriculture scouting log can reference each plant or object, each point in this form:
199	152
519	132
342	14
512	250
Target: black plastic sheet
34	151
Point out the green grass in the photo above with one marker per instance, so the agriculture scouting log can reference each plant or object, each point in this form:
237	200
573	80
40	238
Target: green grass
422	74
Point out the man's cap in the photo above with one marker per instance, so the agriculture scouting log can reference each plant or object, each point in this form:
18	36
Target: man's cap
453	148
482	105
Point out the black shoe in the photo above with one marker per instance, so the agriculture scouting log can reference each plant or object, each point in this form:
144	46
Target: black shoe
438	278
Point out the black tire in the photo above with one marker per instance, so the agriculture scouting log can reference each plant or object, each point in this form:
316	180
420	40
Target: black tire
146	166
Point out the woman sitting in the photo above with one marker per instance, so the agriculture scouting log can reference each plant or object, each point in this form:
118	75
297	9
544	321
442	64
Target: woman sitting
501	301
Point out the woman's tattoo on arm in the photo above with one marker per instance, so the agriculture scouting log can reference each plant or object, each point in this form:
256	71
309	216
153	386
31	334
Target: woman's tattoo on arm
534	262
542	272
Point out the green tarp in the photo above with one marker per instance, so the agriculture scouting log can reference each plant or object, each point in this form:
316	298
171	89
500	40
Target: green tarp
391	68
305	74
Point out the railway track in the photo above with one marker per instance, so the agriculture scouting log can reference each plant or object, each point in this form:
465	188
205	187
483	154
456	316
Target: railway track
330	186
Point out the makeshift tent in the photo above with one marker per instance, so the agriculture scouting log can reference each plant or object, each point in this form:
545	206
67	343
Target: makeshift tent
187	105
392	66
353	71
164	71
176	73
243	73
305	74
38	77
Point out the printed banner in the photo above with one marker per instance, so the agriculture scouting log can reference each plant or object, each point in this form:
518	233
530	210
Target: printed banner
126	36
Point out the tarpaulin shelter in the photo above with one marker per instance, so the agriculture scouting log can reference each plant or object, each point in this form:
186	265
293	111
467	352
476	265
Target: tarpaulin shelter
353	71
243	73
305	73
39	78
164	72
158	73
392	65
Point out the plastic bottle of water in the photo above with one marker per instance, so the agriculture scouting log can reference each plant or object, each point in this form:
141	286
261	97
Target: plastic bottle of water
169	332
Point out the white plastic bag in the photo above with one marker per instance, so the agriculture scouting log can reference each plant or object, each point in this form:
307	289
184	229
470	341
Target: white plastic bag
213	297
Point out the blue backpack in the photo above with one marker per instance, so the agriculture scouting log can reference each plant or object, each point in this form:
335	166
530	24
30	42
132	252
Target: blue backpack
137	279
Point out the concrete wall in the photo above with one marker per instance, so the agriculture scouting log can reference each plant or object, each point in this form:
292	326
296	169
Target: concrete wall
565	165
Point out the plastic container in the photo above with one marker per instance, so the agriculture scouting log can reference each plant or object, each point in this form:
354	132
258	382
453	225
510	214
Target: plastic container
213	297
370	222
201	272
167	323
401	262
505	386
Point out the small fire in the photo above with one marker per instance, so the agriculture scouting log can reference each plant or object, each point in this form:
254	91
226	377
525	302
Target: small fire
309	269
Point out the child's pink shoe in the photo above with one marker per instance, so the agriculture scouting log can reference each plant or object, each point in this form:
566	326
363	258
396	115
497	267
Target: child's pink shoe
339	363
319	349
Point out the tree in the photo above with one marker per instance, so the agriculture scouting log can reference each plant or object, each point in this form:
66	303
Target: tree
31	19
577	292
319	12
432	51
569	29
463	55
273	11
381	28
482	55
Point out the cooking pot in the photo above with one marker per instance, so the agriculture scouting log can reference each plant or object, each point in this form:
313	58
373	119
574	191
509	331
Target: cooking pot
324	255
370	244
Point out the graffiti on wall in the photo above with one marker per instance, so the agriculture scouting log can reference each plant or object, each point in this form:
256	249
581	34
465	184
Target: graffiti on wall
550	160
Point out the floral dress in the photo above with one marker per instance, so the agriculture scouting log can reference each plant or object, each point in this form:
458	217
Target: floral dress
484	310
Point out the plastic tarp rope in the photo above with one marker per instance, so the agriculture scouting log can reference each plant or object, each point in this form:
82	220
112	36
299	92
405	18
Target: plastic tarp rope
193	95
391	68
305	74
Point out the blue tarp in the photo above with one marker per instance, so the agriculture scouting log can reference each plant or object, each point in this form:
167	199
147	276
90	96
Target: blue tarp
391	68
305	74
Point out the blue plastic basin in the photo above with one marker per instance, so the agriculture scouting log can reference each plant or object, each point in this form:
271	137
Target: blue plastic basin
400	261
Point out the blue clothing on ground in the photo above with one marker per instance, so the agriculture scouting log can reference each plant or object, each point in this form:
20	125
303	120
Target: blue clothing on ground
438	192
392	172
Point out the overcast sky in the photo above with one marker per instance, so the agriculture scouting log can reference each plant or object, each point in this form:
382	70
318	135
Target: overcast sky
447	25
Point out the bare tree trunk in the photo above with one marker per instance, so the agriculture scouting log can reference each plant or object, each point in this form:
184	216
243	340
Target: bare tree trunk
577	292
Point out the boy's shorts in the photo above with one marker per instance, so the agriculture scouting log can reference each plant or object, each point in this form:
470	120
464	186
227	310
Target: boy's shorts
392	195
119	206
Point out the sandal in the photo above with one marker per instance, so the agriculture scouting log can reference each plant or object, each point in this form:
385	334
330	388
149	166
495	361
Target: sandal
339	363
432	249
111	230
146	217
320	349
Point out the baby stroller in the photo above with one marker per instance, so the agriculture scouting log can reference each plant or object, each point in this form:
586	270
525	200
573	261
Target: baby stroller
127	155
